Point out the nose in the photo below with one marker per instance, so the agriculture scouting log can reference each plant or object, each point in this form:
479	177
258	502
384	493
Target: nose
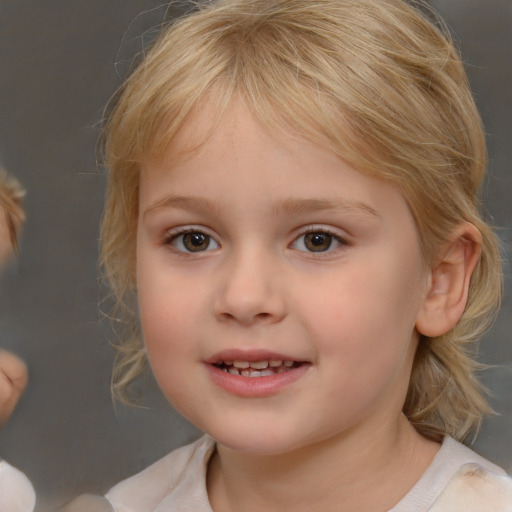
250	291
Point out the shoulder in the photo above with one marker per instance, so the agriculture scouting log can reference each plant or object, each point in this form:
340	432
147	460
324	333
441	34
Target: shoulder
456	455
475	489
184	468
16	491
455	469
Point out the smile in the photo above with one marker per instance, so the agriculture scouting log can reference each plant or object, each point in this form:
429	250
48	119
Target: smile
255	374
265	368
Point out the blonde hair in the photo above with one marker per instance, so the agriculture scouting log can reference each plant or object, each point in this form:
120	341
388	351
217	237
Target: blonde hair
375	81
11	195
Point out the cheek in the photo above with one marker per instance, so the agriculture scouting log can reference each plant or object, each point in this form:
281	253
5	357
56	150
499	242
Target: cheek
169	349
165	319
173	346
364	319
167	314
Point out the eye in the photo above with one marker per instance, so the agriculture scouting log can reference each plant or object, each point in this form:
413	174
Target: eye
317	241
192	241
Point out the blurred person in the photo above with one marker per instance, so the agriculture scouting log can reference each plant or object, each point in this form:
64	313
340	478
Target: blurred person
16	492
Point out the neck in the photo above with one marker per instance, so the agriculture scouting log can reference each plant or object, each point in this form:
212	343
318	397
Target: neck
366	471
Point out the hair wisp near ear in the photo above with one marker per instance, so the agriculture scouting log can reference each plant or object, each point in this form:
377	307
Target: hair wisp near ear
449	280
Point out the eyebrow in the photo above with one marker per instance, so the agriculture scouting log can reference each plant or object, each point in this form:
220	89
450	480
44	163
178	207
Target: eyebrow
182	202
297	206
290	206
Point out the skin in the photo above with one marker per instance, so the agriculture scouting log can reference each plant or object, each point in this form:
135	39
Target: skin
13	381
349	313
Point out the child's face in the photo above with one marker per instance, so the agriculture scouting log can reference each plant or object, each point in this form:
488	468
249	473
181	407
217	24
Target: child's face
254	250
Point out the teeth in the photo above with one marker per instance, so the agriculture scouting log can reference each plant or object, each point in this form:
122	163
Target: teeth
259	365
255	368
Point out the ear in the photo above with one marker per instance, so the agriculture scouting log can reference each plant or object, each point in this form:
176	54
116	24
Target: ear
448	282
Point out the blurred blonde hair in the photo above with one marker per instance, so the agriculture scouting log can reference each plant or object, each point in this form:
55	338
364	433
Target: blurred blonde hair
11	195
373	80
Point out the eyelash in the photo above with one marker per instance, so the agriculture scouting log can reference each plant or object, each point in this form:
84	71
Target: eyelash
334	237
173	236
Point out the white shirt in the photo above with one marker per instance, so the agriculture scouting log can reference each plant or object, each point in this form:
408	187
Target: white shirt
16	491
458	480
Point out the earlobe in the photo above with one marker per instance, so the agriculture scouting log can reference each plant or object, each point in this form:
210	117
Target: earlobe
448	282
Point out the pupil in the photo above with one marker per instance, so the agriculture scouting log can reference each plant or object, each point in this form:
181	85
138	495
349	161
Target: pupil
196	241
318	242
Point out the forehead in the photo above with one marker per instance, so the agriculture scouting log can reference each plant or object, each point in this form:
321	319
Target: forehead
213	131
210	122
210	158
223	109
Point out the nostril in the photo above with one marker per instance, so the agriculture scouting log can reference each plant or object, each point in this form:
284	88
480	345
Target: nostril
247	307
227	316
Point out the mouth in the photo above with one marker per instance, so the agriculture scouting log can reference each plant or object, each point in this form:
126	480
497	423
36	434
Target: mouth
255	373
256	369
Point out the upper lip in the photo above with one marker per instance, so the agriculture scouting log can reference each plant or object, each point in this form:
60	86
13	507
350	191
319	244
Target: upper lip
250	356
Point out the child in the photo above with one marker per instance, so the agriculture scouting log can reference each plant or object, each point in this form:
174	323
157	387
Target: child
292	201
16	491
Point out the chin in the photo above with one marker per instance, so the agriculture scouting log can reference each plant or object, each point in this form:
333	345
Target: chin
261	446
265	440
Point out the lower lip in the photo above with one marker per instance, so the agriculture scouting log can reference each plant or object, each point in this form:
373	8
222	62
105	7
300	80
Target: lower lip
255	387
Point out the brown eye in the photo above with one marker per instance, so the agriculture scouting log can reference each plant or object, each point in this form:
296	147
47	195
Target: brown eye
318	242
196	241
193	241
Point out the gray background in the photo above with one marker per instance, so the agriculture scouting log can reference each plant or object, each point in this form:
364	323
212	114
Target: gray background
60	60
